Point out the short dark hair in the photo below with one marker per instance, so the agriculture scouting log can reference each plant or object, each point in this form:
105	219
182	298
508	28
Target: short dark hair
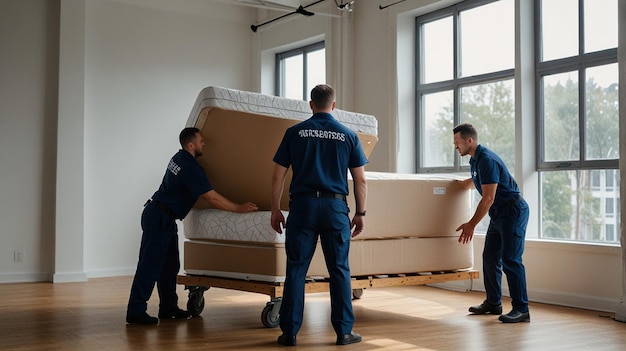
187	135
466	130
323	95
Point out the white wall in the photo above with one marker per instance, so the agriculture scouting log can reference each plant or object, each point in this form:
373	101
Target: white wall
144	69
142	64
29	53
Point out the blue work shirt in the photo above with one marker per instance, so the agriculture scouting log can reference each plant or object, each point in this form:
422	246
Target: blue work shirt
487	167
320	151
184	181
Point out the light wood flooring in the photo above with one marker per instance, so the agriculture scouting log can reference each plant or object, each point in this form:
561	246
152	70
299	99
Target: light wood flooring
91	316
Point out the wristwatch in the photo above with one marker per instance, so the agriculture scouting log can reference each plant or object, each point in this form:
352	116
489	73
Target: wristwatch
360	213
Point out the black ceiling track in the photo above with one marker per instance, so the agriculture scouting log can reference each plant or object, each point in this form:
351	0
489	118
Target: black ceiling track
300	10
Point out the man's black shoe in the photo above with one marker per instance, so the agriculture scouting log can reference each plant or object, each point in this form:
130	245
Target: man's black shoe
515	316
143	318
287	340
175	314
346	339
486	308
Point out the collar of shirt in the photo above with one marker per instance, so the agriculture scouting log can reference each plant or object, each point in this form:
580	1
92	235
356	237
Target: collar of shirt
477	154
325	115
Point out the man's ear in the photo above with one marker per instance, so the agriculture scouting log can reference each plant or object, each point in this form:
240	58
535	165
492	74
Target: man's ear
332	107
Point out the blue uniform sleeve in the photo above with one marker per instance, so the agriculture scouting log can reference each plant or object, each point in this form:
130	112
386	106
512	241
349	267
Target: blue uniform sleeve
197	182
488	170
357	156
282	156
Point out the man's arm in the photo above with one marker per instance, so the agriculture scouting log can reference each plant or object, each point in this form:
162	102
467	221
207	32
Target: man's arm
278	183
219	201
467	229
360	198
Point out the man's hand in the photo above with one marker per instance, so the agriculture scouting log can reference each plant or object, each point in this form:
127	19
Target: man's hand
278	221
247	207
357	223
467	232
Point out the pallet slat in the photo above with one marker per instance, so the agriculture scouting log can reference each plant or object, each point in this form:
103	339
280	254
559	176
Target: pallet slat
275	290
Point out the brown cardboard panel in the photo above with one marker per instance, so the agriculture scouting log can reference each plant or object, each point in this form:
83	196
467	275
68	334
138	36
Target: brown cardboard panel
413	208
238	153
367	257
251	259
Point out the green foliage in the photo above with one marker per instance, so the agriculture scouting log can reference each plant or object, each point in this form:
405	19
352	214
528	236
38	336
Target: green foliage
556	205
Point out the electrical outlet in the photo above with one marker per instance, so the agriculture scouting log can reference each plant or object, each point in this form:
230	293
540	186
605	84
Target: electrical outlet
18	256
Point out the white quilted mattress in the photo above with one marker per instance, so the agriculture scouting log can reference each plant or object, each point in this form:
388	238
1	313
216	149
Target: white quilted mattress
217	224
244	101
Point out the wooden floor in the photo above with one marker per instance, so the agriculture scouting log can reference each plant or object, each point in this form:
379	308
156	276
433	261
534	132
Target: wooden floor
91	316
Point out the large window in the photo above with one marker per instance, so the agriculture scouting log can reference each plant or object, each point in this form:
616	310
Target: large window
577	109
465	75
467	56
299	70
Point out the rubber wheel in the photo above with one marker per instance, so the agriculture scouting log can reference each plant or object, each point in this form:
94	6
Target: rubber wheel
266	317
195	304
357	293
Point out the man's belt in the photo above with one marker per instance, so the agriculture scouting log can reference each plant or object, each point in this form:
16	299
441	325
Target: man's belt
322	194
162	207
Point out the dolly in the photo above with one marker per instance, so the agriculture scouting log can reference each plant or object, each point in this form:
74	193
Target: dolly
270	317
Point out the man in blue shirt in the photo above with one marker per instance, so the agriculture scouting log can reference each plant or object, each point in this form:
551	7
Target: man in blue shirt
320	150
184	181
504	242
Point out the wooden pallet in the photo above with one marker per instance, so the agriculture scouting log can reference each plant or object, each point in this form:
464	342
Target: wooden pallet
275	290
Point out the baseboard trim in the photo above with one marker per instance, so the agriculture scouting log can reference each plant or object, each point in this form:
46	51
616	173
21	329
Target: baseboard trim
111	273
25	277
69	277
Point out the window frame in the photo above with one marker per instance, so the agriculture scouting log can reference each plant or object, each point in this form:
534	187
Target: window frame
579	63
279	72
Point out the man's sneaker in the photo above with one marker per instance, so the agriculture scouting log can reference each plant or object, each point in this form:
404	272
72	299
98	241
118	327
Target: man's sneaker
515	316
143	318
486	308
174	314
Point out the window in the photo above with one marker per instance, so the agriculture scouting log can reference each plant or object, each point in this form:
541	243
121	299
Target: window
465	75
466	57
577	108
299	70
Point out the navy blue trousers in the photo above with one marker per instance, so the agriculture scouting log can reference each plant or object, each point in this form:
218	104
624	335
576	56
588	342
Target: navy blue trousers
158	262
328	219
504	246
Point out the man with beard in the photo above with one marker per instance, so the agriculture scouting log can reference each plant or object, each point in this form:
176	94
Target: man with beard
504	241
183	183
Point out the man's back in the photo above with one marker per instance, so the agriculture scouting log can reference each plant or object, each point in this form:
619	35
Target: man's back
320	150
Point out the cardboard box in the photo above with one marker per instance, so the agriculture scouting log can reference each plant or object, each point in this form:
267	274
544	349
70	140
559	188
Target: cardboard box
412	205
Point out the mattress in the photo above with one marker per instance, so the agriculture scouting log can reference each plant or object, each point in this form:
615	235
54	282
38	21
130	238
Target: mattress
367	257
275	106
398	206
214	224
242	131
